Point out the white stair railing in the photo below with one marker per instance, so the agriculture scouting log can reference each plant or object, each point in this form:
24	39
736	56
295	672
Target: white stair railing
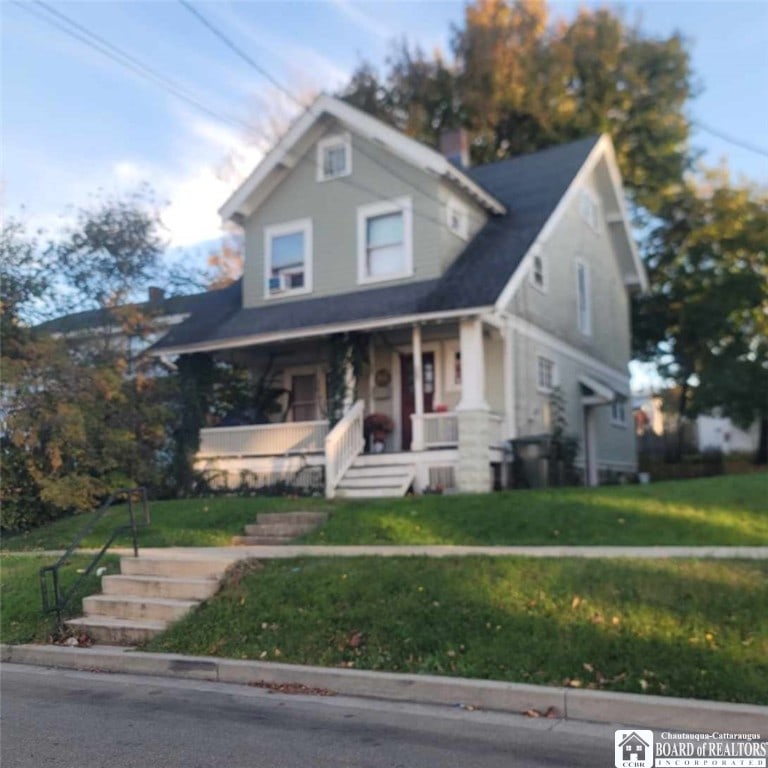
342	445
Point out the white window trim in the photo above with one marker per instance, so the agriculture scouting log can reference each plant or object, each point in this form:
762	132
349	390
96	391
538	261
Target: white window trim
592	221
586	327
619	422
555	381
288	228
450	348
307	370
454	204
544	287
331	141
364	212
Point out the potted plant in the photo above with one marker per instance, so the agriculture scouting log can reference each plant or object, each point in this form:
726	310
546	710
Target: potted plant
376	427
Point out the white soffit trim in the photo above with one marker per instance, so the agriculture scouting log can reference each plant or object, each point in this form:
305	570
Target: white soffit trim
320	330
641	277
370	128
603	147
619	379
600	392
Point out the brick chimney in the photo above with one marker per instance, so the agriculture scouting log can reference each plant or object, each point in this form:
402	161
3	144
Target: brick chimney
454	146
156	295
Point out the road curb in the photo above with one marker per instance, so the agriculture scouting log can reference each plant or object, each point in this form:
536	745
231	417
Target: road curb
595	706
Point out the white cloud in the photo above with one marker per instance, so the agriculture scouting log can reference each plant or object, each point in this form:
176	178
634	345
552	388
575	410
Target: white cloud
363	20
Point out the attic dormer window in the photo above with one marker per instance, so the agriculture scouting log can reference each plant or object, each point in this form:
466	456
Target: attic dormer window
334	157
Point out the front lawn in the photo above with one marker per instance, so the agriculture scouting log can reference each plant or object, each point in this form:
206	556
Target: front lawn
677	628
210	522
21	620
729	510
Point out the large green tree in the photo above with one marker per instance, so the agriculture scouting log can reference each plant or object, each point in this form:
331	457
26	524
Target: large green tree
519	81
84	411
705	319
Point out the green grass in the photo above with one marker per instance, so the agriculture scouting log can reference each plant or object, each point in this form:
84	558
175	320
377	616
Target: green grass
21	620
678	628
184	523
730	510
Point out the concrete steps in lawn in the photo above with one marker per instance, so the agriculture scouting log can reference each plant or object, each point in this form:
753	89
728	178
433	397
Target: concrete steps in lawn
151	592
364	480
275	528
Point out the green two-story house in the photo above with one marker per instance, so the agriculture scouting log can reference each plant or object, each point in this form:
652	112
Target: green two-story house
477	291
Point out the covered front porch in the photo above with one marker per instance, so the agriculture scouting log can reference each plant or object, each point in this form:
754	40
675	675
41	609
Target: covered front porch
425	405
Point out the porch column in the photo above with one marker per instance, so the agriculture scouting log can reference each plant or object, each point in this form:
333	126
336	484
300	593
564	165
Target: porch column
349	385
474	472
417	435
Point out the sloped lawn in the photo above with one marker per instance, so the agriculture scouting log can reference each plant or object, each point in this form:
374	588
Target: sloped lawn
21	620
729	510
677	628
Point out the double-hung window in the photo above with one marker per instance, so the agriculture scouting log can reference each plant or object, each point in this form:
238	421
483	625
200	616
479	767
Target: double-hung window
545	374
538	274
583	298
619	411
334	157
384	241
288	258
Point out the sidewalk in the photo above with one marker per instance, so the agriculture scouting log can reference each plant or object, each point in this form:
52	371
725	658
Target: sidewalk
429	550
566	703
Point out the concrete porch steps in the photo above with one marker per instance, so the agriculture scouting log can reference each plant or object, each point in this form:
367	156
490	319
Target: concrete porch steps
150	592
367	480
273	528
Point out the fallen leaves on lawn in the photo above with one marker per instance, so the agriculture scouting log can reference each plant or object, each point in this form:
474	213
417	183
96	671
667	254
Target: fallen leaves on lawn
292	688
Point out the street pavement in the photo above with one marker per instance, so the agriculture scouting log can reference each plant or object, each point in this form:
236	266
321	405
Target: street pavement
67	719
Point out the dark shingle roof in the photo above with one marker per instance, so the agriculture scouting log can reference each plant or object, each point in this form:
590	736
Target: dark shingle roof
199	306
530	187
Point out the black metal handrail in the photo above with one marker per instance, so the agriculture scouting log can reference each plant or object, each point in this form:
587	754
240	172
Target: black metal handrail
53	597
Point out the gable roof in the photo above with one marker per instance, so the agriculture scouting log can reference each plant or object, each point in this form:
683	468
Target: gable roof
530	187
244	199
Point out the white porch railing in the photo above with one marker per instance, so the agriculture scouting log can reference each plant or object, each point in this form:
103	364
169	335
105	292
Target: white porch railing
439	430
263	439
342	445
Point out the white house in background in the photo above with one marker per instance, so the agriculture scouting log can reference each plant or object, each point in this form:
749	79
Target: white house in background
478	291
720	432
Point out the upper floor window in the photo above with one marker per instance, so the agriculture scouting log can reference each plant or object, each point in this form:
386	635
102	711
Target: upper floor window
539	272
589	209
288	258
384	241
545	374
583	298
457	216
334	157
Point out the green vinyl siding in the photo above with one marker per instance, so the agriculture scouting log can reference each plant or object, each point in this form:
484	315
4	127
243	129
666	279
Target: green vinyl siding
377	176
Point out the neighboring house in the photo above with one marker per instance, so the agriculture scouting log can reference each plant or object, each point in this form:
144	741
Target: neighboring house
480	290
720	433
164	311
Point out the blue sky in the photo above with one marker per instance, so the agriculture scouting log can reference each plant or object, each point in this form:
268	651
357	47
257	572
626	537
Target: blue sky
74	122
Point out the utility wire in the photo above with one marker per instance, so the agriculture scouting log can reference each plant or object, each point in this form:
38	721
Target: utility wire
305	107
731	139
73	29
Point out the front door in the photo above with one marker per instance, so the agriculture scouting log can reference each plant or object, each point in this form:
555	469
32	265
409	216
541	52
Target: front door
408	396
304	397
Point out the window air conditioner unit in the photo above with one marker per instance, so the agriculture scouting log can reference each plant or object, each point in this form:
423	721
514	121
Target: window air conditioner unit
278	283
